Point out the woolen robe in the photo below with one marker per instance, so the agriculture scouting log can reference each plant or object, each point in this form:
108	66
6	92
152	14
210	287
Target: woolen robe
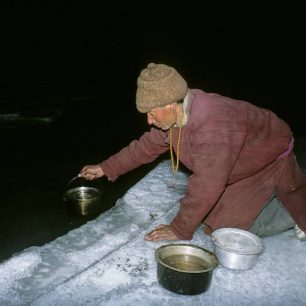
239	156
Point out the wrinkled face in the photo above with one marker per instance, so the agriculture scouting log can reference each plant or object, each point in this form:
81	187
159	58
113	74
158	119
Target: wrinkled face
163	117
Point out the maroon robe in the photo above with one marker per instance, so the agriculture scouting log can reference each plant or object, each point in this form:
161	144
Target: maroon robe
234	151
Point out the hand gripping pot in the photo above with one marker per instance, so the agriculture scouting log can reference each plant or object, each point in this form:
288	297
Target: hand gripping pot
82	200
236	248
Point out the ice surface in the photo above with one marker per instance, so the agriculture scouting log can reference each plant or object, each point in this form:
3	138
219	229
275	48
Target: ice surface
108	262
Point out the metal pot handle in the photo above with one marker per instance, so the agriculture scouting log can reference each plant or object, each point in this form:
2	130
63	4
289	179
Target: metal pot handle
74	178
64	194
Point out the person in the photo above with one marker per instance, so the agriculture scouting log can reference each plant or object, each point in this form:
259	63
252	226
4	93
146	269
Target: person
244	173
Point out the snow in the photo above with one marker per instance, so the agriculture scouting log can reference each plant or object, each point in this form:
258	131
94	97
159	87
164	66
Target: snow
108	262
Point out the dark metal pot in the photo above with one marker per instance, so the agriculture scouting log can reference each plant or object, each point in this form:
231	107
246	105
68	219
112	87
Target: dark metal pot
185	268
82	200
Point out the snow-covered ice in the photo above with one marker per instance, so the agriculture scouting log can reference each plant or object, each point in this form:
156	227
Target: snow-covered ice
108	262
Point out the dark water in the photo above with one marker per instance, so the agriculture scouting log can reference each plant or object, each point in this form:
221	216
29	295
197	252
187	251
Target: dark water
39	159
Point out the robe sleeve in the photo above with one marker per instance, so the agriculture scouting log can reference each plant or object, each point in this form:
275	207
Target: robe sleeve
138	152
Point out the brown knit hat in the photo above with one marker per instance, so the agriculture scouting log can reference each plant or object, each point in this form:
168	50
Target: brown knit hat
159	85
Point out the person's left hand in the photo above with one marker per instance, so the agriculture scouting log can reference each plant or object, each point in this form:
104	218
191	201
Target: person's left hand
161	232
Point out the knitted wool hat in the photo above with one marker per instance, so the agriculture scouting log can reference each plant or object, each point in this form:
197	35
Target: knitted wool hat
159	85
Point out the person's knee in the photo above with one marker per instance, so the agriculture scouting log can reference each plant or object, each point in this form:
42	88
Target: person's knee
273	219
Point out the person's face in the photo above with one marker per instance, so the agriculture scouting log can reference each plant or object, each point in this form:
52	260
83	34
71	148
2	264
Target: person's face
163	117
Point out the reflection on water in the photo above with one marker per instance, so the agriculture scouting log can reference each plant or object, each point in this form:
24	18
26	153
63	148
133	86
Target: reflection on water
187	263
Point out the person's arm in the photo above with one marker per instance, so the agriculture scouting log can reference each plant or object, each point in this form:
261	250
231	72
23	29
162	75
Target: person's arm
149	146
213	158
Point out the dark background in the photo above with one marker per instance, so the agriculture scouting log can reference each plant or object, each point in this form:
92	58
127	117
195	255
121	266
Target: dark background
80	62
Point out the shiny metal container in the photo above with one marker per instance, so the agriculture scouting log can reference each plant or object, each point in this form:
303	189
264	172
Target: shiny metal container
185	268
82	200
236	248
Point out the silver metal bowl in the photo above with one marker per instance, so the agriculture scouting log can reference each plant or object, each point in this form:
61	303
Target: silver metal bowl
236	248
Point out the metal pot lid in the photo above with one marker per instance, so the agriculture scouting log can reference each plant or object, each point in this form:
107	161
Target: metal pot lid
237	241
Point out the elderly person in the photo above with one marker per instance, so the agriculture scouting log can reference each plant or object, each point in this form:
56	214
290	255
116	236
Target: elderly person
244	173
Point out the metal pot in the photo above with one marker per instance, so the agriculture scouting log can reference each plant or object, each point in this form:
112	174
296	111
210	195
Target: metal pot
236	248
83	200
185	268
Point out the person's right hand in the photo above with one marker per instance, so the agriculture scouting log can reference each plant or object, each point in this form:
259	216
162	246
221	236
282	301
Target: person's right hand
91	172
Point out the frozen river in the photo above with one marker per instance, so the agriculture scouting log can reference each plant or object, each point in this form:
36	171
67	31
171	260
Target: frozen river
108	262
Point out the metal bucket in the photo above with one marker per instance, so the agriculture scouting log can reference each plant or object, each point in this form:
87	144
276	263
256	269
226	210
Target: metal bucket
82	200
185	268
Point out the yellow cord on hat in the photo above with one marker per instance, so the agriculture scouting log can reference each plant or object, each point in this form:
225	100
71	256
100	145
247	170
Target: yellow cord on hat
175	165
